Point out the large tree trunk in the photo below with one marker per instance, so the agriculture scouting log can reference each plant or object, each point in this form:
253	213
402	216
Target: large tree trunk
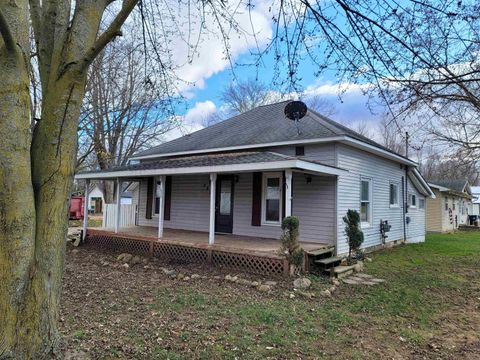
35	180
33	297
35	236
36	170
17	213
109	191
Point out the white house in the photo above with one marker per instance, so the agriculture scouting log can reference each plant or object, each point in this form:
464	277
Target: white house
243	175
96	200
476	200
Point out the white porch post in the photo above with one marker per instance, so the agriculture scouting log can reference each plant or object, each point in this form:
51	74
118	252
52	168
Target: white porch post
161	206
85	209
118	208
213	185
288	192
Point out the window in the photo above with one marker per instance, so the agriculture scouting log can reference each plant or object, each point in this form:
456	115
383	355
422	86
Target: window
421	204
225	197
299	150
412	200
446	203
272	198
365	201
393	195
453	205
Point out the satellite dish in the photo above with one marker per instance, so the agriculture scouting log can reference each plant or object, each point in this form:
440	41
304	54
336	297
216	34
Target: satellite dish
295	110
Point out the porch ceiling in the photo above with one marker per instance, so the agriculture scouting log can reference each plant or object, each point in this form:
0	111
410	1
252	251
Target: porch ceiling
215	163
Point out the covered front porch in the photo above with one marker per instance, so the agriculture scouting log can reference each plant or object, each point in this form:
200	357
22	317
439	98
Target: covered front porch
237	193
224	206
201	239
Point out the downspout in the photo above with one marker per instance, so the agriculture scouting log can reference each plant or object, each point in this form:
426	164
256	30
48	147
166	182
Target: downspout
404	183
405	194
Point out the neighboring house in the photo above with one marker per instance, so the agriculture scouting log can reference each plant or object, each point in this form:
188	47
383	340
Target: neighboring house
451	206
96	201
243	175
476	200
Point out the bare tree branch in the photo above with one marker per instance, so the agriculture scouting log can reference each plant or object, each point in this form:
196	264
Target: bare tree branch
111	32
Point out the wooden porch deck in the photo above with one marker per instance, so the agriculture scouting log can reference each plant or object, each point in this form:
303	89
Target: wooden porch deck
200	239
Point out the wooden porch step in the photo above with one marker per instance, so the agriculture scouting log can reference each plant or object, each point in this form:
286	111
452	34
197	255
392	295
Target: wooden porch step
322	251
329	261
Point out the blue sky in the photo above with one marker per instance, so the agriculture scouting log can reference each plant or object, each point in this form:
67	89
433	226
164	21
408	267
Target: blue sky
211	73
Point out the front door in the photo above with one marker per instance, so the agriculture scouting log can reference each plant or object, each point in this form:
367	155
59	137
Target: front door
224	204
98	205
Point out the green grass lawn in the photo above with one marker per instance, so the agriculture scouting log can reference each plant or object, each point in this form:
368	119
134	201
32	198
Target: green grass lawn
91	223
428	308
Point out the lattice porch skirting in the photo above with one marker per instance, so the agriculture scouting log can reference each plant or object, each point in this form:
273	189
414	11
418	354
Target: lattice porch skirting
255	262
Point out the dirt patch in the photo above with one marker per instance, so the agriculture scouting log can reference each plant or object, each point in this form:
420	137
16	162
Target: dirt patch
113	312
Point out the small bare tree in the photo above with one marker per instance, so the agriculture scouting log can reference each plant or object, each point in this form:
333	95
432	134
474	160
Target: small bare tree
246	95
123	111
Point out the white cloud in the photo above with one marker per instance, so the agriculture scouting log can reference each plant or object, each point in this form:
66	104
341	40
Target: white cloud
210	56
193	120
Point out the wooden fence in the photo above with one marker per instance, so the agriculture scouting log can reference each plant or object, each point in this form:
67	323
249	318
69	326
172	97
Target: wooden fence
128	214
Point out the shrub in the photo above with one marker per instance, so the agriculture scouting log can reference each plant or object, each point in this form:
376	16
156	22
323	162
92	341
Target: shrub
353	232
289	239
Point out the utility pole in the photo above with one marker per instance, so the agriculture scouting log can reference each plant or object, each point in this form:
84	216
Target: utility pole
407	137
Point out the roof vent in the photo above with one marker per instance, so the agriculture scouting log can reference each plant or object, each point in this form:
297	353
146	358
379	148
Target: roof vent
295	110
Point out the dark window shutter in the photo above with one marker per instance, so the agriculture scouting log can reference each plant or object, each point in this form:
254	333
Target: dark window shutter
257	199
168	198
150	182
157	205
284	193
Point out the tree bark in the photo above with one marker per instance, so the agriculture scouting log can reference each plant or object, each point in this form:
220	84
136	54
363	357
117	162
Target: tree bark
36	176
17	213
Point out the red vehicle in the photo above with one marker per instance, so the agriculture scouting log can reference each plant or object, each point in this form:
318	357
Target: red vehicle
77	204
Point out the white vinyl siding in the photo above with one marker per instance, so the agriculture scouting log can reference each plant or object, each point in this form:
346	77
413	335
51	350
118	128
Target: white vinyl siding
382	172
324	153
190	204
313	203
416	227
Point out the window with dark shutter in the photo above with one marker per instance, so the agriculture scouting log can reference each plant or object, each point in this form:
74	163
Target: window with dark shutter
257	199
149	205
168	197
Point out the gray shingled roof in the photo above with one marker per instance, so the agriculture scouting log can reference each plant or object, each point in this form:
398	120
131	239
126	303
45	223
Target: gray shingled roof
456	185
264	124
206	160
